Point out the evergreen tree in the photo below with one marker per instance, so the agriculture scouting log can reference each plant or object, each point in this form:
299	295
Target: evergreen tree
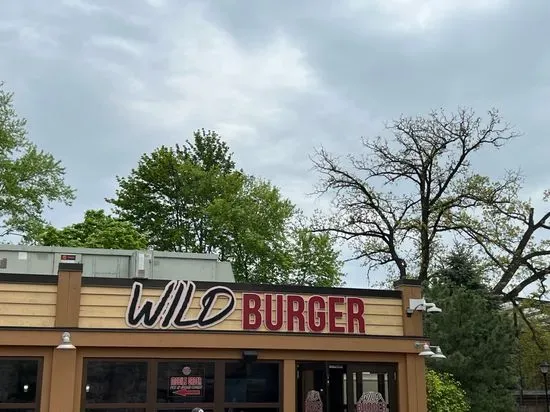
474	333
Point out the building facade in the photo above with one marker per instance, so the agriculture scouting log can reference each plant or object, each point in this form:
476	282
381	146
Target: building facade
70	343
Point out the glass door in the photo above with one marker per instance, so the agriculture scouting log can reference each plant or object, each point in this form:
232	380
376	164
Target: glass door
369	384
345	387
337	401
311	388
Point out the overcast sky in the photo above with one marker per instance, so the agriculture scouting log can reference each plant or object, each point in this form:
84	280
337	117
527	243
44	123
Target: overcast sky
103	81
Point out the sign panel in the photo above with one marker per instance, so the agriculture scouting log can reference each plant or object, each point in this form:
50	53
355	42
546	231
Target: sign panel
170	310
181	306
293	313
189	385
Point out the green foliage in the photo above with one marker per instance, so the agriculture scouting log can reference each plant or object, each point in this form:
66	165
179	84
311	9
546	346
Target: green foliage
531	355
192	199
98	230
533	320
474	333
168	194
249	226
445	394
314	259
30	179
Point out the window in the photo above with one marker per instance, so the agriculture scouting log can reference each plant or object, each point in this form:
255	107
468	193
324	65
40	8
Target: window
20	380
116	381
179	385
252	387
185	382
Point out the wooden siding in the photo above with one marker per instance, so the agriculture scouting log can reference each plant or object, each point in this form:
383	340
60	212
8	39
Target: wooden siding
27	305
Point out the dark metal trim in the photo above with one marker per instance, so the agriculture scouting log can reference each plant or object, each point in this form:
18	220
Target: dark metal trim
248	287
28	278
70	267
201	285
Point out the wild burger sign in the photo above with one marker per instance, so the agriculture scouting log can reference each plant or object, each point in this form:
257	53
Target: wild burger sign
295	313
276	312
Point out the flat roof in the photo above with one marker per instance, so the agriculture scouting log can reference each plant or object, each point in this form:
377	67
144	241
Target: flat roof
202	285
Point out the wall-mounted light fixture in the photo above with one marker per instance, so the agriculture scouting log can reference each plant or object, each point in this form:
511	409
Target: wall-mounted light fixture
421	305
427	351
66	341
87	388
25	388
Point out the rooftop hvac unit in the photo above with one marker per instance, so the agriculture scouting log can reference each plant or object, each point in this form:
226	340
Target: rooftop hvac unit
141	265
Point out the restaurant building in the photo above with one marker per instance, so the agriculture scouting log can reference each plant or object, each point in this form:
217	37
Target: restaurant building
129	331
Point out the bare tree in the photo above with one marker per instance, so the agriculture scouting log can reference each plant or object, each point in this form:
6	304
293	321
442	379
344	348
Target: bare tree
515	243
398	202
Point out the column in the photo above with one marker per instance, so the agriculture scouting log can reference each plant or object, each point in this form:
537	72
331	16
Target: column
63	378
416	384
289	385
69	281
414	387
411	289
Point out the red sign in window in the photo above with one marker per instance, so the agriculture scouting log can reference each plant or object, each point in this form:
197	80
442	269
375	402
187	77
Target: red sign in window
186	385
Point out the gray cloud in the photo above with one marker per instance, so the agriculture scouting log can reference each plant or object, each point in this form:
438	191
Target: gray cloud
102	82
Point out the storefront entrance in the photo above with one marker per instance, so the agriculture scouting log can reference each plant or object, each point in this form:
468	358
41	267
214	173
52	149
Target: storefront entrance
338	387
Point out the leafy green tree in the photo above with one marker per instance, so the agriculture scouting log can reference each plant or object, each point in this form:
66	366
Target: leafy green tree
476	335
30	179
191	198
445	394
97	230
532	330
532	353
208	151
314	259
250	226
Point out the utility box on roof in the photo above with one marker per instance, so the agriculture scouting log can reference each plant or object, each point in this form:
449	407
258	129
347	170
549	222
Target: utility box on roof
141	265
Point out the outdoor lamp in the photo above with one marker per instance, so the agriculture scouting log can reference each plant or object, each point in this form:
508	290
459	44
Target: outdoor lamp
421	305
432	308
438	354
427	351
66	341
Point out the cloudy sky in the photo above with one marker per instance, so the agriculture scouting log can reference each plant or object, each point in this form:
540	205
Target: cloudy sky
103	81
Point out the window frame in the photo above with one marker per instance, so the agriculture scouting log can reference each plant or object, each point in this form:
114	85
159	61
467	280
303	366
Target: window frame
256	405
39	379
151	404
180	405
94	405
